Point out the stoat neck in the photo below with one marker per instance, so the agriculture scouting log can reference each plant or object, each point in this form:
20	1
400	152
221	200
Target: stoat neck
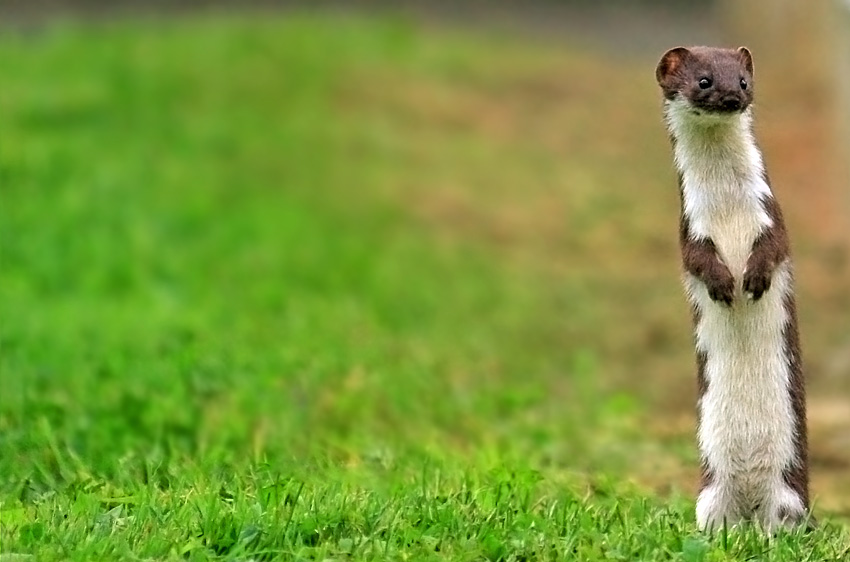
713	147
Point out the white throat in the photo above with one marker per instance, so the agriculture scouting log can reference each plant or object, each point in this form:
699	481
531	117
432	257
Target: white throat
721	167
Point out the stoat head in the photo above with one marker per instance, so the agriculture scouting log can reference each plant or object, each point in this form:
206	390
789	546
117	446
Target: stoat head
711	84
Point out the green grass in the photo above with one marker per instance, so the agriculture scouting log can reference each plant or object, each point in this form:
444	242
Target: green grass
230	331
457	514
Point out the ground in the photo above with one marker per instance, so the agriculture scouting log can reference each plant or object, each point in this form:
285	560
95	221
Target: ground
344	288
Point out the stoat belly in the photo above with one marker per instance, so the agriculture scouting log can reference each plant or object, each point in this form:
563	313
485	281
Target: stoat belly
746	418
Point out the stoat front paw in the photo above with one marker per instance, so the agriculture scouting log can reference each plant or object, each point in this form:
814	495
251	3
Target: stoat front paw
721	285
756	282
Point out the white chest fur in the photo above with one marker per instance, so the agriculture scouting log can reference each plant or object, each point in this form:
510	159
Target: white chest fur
746	432
722	183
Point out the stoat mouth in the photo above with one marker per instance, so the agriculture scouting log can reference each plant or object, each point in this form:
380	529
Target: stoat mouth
713	114
717	109
681	111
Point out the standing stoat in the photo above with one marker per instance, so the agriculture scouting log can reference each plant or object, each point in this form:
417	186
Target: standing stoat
738	278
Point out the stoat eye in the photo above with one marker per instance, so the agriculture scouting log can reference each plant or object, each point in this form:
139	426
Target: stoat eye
743	84
705	83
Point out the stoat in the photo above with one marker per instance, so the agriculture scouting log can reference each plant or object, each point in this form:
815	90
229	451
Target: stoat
738	278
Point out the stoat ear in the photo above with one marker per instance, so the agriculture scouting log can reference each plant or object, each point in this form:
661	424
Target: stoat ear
746	58
670	63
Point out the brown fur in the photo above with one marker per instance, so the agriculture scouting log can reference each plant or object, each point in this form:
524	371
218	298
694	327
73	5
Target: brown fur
679	71
699	258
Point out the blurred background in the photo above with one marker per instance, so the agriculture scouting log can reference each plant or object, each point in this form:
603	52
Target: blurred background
366	231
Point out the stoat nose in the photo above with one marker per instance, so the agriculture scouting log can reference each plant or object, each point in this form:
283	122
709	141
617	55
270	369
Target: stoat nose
731	103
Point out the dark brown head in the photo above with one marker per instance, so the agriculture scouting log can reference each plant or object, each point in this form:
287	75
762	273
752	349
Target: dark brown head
712	80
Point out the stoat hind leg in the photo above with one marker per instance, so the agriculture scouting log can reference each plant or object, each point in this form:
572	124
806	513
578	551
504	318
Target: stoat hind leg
784	508
716	506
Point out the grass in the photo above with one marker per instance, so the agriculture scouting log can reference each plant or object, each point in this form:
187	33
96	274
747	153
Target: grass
455	514
305	288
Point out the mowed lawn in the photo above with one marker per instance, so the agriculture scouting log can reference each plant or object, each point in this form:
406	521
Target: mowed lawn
304	288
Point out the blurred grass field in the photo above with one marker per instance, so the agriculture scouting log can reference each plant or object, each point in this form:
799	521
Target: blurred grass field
311	287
